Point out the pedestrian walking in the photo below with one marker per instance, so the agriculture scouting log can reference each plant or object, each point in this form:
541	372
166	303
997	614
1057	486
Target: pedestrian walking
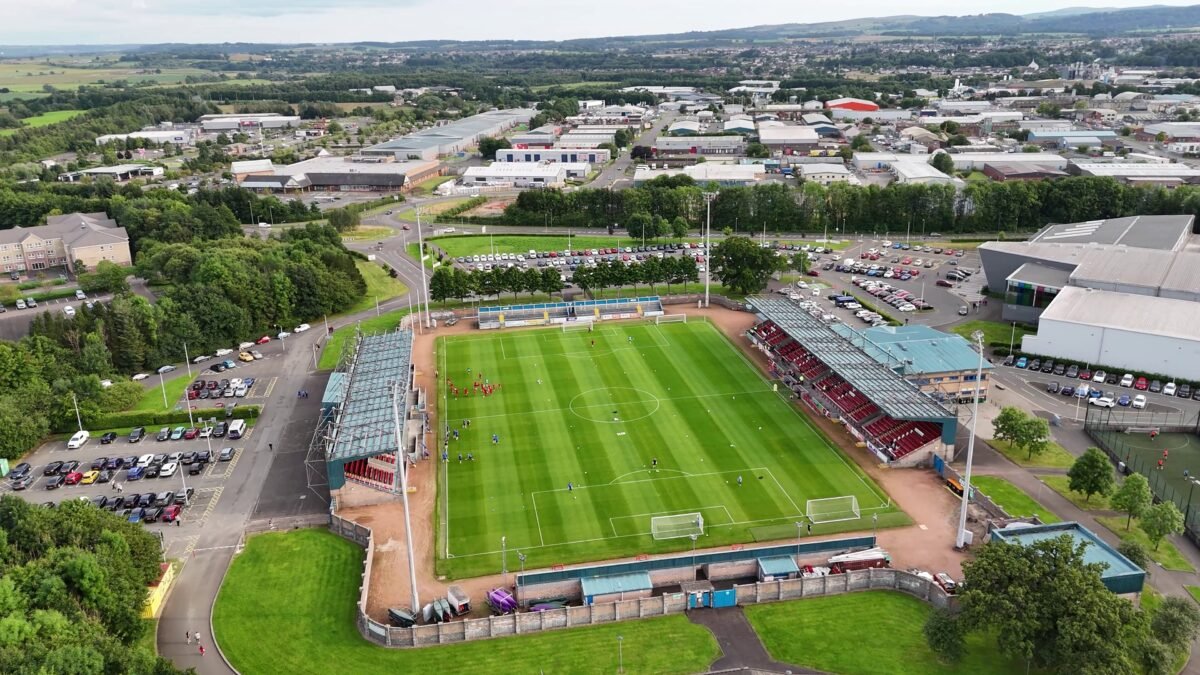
445	457
629	339
189	637
197	637
1160	465
271	447
201	650
178	521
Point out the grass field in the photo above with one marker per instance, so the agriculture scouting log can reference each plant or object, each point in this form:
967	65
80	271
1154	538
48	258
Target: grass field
1055	456
368	233
1194	591
811	633
1060	485
27	76
1142	455
380	287
594	416
1012	499
287	606
993	331
1167	555
45	119
152	400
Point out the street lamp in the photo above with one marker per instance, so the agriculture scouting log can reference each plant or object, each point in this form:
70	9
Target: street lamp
874	524
282	338
620	654
1012	338
163	385
504	558
977	336
708	200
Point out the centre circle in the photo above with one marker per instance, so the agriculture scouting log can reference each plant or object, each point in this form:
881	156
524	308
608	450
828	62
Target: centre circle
614	405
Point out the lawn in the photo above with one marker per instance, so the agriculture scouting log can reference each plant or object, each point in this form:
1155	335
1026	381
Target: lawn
993	331
799	632
1167	555
380	287
430	184
572	478
152	400
1055	455
45	119
1194	591
1059	485
368	233
1013	499
287	605
331	352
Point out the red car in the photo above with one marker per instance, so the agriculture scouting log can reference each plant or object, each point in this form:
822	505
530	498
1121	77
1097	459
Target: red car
943	282
192	394
263	340
73	478
1142	384
191	434
814	273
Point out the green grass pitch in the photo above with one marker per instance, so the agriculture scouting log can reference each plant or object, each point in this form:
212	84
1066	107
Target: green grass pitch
566	411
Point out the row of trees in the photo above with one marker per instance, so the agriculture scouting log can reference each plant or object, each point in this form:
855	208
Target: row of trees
668	271
454	282
73	581
843	208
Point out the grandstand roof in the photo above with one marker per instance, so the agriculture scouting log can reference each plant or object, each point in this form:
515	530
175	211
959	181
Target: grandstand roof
365	424
891	392
916	348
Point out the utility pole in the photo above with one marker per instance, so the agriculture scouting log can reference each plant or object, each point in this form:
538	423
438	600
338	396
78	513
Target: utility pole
977	336
187	361
421	262
708	200
78	419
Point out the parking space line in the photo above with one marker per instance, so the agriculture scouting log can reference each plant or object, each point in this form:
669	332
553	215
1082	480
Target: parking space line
237	455
270	387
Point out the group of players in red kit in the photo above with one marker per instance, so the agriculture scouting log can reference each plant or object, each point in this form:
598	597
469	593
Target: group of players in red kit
479	386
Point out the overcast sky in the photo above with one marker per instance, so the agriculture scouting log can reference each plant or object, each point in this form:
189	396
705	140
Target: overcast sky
153	21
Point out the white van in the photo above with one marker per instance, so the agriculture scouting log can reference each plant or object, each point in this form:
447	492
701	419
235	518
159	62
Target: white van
237	429
78	440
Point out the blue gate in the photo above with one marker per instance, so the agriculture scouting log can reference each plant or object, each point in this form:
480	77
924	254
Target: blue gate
725	598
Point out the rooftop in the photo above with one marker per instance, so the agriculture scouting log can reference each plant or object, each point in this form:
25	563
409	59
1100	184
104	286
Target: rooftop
1165	233
1137	170
365	424
787	134
1125	311
916	170
75	229
616	583
917	349
895	395
516	169
1096	551
1041	275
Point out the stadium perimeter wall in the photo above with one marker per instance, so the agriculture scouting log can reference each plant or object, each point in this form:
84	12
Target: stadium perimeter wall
621	610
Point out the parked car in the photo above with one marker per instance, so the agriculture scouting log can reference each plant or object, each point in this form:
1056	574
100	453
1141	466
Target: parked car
946	582
1022	362
108	437
177	433
1139	401
168	470
1060	369
225	454
185	496
1127	380
1073	371
54	482
1067	390
1155	386
1169	389
20	471
77	440
137	434
1009	360
1085	374
1053	387
22	483
1141	384
90	477
170	513
1124	400
163	434
1035	364
245	356
1103	402
1185	391
1099	376
135	473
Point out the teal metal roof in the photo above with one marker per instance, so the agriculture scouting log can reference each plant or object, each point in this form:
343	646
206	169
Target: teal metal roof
917	349
616	583
335	389
1120	574
778	566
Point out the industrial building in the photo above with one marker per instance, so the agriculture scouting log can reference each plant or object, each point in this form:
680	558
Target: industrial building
826	174
919	172
1002	171
1140	173
700	145
342	174
726	175
544	136
237	122
1073	138
684	128
788	140
452	138
856	104
119	173
172	136
1123	292
517	174
975	161
567	155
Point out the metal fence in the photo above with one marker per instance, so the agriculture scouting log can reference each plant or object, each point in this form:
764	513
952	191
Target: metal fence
1107	428
636	608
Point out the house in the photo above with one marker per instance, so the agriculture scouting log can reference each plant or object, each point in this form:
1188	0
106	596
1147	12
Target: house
86	237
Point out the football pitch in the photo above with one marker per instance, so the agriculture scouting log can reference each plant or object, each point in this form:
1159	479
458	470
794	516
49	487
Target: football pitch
571	475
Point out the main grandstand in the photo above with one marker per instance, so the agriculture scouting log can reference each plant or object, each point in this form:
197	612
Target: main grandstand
895	420
369	395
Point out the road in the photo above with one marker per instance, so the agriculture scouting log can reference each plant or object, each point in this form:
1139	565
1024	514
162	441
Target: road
615	174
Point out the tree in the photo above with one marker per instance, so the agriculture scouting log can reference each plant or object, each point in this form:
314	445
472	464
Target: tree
1160	520
1048	606
945	636
679	227
757	151
1033	435
109	277
1135	552
742	265
343	219
1005	427
488	146
1175	622
800	262
943	162
1091	474
1133	497
441	284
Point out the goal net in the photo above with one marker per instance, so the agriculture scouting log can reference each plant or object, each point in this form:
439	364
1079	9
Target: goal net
577	326
670	318
833	509
1141	430
677	526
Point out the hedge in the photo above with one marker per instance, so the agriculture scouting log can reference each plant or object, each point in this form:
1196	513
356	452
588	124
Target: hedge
141	418
471	203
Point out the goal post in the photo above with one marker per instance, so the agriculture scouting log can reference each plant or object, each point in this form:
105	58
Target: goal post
577	326
677	526
670	318
833	509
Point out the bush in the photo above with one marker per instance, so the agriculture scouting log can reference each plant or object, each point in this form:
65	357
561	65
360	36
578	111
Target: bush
141	418
471	203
